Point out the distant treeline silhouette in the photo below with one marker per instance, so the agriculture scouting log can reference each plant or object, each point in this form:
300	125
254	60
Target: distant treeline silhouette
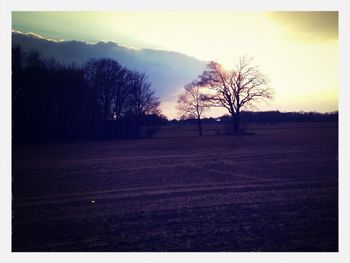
98	100
103	100
269	117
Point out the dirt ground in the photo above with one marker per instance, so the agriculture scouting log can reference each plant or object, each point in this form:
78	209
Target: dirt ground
275	189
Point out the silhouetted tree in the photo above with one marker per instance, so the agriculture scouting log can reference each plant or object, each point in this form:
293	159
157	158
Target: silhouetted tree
105	79
49	100
100	99
192	103
235	89
18	92
141	100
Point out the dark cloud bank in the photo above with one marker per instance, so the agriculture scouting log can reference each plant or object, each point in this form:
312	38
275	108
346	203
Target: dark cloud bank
167	71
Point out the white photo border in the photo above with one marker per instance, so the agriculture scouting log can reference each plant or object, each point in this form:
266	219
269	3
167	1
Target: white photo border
7	6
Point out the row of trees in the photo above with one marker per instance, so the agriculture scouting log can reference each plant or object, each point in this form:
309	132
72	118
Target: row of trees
103	100
262	117
98	100
234	90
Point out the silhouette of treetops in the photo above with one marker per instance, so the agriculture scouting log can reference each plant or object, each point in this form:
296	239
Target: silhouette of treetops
267	117
103	100
98	100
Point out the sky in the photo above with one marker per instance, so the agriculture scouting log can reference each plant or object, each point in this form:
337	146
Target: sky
297	51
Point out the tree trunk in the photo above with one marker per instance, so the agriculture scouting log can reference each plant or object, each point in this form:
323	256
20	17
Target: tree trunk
236	122
199	126
138	125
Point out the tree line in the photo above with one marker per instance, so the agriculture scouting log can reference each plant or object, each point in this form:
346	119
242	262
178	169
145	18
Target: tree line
103	100
97	100
264	117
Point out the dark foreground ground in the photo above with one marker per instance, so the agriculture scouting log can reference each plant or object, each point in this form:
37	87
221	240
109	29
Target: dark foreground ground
276	190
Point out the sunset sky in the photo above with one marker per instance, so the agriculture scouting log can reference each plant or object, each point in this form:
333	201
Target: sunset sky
297	51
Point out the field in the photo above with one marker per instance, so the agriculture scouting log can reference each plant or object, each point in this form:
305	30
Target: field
274	189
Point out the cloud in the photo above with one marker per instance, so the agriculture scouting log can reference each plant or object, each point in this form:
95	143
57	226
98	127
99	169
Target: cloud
312	26
34	35
168	71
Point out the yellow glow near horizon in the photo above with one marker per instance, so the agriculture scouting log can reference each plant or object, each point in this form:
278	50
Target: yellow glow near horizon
297	51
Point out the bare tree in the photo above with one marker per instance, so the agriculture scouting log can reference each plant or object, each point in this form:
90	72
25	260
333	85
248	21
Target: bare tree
191	103
105	78
235	89
121	92
142	100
